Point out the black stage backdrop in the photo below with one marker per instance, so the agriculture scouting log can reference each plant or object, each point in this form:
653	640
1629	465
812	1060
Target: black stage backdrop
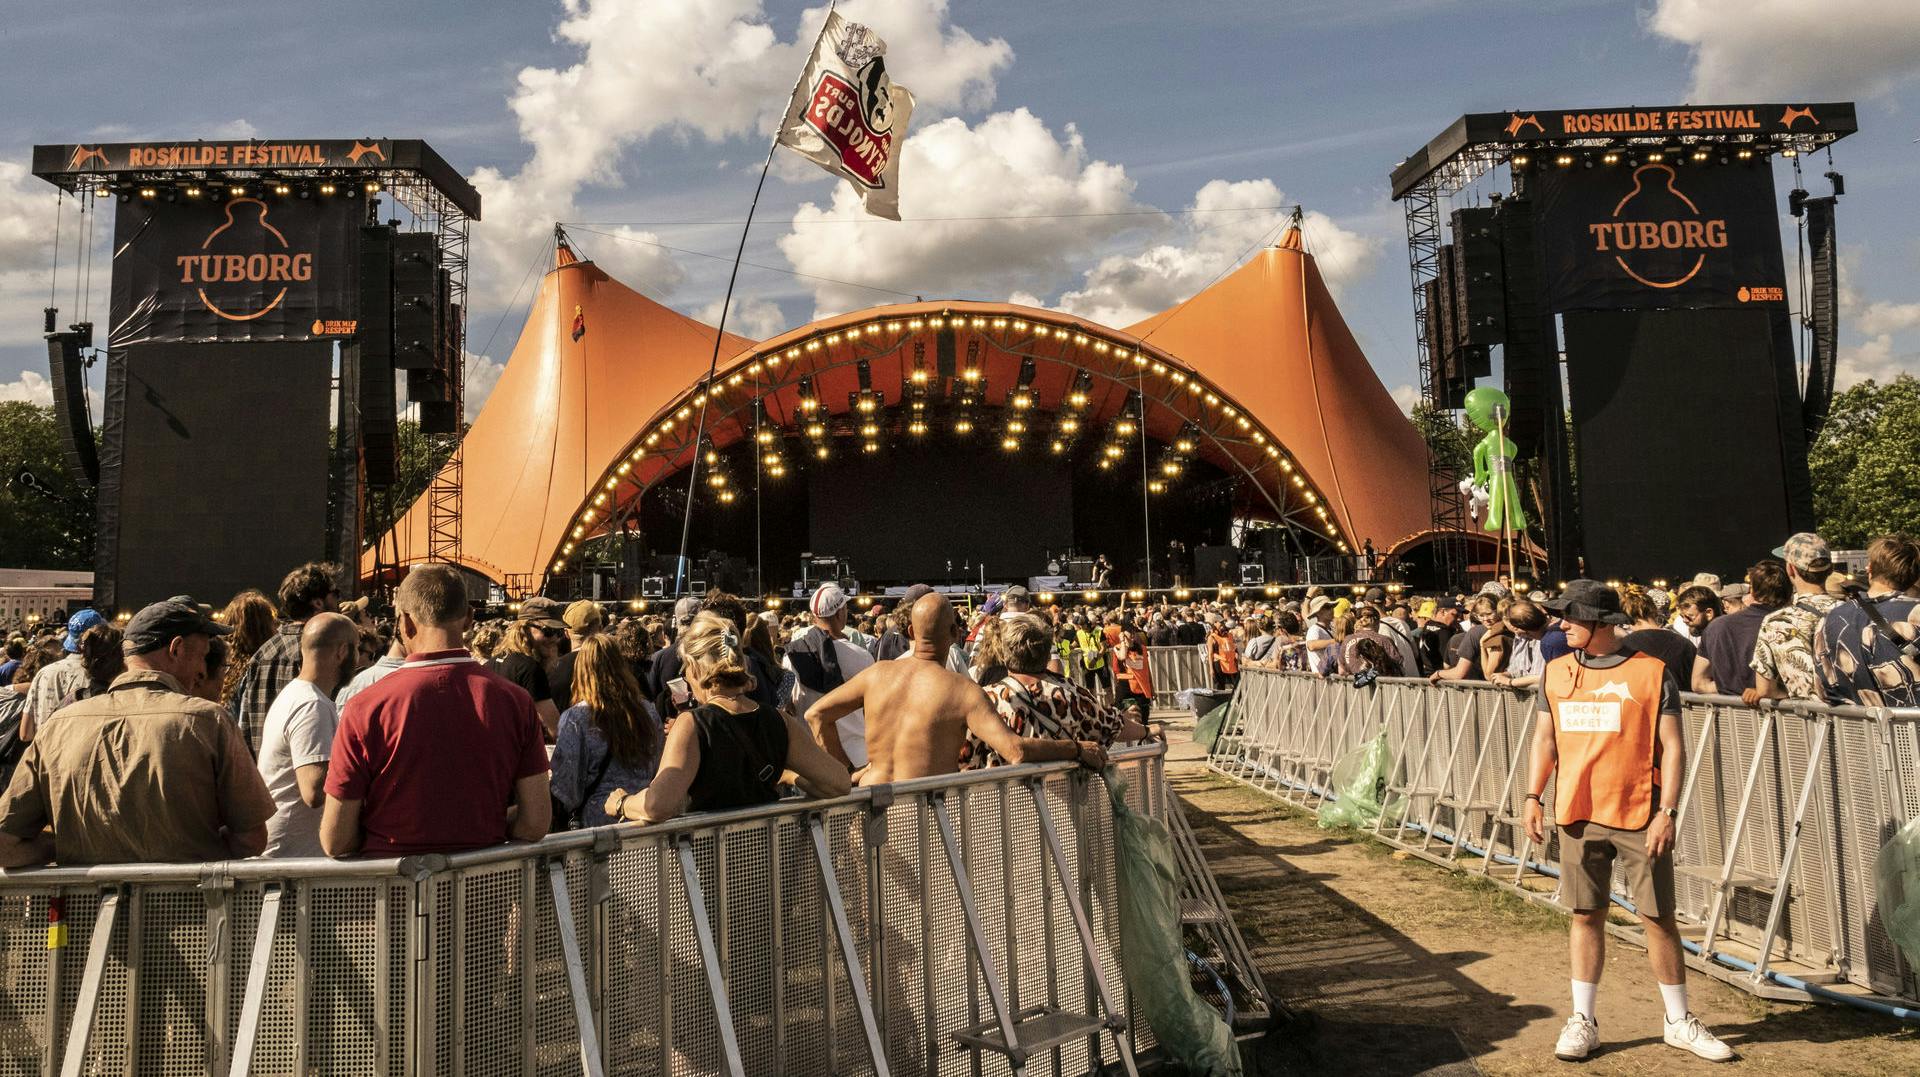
901	514
236	269
1683	465
219	468
1659	235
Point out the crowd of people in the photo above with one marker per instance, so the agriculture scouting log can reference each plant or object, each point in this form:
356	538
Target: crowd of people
300	726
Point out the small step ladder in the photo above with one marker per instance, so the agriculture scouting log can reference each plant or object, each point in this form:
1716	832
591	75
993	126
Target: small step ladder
1020	1036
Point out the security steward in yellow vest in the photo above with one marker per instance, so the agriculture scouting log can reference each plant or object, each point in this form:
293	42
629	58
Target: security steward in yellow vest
1607	720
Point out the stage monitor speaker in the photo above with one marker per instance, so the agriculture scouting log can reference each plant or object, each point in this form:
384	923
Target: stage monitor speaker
1213	565
653	587
417	327
1252	575
697	587
70	414
374	335
1079	571
1479	284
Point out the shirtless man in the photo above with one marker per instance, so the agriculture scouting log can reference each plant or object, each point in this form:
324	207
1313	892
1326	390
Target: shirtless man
919	712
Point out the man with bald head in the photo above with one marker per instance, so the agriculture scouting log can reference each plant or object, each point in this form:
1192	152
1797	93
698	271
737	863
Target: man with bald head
919	712
297	739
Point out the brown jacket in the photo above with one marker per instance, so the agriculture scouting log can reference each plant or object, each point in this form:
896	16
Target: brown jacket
140	773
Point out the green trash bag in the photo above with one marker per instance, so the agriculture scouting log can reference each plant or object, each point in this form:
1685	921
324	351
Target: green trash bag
1897	881
1206	732
1190	1031
1360	787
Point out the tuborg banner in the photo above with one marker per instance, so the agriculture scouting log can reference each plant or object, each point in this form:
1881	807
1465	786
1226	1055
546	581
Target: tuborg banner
238	269
1659	235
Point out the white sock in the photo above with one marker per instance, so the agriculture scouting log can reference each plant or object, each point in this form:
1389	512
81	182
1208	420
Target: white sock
1584	996
1675	997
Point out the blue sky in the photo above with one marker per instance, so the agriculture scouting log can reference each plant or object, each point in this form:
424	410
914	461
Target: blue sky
648	120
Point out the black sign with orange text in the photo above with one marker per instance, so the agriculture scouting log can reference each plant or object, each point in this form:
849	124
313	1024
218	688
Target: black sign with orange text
1658	235
239	269
1664	121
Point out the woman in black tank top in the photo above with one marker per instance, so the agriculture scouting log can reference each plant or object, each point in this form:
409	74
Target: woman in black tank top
729	751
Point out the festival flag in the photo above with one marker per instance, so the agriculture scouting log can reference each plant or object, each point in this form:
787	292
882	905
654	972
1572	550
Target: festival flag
848	117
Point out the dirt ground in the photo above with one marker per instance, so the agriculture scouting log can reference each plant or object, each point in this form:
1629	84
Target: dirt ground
1406	968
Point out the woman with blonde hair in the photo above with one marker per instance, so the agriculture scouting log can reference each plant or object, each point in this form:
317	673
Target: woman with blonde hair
609	740
730	751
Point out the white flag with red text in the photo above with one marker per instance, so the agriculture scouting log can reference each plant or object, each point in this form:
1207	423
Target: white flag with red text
848	117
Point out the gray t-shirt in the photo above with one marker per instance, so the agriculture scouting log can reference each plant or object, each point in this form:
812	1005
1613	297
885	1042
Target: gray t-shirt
298	733
1669	691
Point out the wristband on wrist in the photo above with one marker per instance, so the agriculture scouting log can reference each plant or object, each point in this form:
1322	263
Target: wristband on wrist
1535	796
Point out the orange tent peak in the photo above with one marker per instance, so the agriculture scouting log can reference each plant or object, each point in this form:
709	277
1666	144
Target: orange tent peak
1290	240
563	255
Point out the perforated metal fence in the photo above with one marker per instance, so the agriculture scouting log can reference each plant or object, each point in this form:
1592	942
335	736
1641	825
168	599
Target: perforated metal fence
1783	810
791	939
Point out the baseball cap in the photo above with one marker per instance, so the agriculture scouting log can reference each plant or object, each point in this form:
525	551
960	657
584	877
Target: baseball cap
582	615
685	610
1375	594
541	612
1734	590
1707	580
161	623
828	600
77	624
914	594
1589	600
1805	550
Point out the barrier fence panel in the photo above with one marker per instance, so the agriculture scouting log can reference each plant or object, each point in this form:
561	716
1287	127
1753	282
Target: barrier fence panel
716	944
1783	808
1176	669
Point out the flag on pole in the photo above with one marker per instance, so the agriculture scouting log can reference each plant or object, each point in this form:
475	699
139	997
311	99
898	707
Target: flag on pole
848	117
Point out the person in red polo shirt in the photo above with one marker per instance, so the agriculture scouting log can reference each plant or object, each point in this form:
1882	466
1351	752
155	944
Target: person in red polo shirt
1608	720
441	754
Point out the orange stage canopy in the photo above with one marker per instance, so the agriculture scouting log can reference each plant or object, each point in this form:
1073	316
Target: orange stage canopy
604	385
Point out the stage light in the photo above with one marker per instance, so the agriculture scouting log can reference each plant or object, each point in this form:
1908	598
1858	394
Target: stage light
778	471
1563	160
193	192
1077	399
816	429
1058	446
372	186
869	430
764	437
1010	443
971	375
869	447
1184	443
726	497
1125	428
1699	155
1156	487
919	375
282	189
1137	594
1273	591
326	188
1090	595
820	452
1745	155
1226	590
236	191
771	459
1182	593
1656	157
1069	425
1789	152
917	428
1521	160
1104	464
963	426
1611	158
1170	468
148	192
1016	426
1114	452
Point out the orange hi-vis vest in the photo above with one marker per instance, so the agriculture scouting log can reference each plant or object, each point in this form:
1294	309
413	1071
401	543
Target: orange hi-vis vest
1606	726
1224	656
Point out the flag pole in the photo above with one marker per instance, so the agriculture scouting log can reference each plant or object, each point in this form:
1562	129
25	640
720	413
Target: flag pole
719	332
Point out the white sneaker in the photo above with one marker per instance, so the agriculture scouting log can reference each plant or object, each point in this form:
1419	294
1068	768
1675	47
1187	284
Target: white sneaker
1690	1035
1578	1039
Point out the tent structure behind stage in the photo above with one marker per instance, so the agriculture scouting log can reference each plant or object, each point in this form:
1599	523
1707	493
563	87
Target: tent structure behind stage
1257	376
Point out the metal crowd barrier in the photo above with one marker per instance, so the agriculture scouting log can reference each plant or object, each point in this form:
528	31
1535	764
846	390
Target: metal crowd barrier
861	935
1176	669
1783	808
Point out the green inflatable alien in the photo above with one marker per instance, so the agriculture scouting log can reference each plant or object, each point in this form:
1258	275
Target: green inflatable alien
1493	462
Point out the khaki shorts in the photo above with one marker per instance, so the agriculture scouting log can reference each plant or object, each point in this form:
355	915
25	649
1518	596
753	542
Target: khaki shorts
1587	854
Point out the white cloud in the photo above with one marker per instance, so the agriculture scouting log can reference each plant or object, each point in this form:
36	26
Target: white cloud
755	318
1750	50
1877	358
1227	219
1881	316
1009	165
710	69
482	374
1406	396
30	387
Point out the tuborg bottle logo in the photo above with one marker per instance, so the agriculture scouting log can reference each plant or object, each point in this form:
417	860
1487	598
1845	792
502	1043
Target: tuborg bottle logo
245	265
1656	234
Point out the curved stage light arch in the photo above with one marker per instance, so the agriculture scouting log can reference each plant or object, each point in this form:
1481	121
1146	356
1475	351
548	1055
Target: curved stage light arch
1258	376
